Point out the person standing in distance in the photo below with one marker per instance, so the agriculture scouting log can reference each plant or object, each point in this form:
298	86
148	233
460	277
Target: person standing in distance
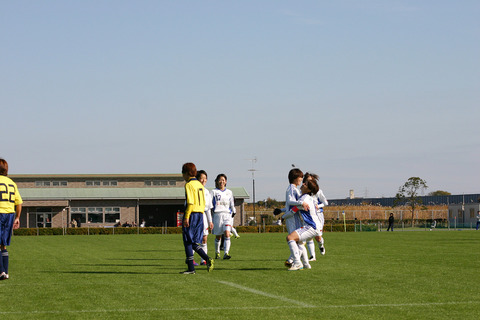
391	220
192	226
478	219
10	210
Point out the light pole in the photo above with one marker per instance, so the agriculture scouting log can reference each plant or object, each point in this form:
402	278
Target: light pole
253	185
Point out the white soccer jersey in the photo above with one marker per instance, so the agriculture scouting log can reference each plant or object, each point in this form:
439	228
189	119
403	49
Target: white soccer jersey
208	205
291	199
320	201
309	217
223	201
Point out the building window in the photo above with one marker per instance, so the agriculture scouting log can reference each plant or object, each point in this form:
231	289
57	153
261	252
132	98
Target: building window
100	183
59	183
112	214
160	183
108	183
51	183
95	215
79	214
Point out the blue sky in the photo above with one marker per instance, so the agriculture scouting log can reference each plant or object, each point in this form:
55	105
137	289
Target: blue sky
364	93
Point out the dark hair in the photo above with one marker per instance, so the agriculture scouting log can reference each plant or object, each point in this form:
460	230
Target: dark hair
199	174
218	178
190	169
308	175
312	185
3	167
294	174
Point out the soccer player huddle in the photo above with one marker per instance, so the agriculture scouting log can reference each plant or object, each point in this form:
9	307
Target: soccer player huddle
303	215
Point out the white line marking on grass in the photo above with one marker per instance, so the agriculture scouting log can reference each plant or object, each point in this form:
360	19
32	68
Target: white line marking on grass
237	308
300	303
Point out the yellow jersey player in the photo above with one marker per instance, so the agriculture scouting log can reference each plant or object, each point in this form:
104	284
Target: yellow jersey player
192	229
10	210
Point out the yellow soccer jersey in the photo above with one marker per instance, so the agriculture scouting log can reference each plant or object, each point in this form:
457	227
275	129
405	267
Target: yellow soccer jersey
195	194
9	195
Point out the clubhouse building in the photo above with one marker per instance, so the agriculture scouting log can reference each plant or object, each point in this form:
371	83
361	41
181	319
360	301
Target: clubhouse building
104	200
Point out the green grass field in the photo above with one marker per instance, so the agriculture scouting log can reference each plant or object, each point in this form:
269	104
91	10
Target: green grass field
369	275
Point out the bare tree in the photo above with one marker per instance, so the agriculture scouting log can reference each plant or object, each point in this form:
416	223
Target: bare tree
408	194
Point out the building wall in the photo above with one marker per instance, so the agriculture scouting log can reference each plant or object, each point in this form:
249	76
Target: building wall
59	213
463	214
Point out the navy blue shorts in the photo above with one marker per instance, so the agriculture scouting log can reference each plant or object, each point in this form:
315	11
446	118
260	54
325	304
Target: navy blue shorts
6	227
194	233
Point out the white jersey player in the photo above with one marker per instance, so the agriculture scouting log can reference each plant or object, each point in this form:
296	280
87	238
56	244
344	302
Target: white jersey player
310	220
292	220
223	213
320	201
207	217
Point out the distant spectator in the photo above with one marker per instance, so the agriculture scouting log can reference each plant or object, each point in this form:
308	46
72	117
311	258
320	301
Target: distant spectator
143	223
434	224
73	223
391	220
478	219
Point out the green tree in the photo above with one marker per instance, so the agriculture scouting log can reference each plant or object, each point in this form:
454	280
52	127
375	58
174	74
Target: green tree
408	194
439	193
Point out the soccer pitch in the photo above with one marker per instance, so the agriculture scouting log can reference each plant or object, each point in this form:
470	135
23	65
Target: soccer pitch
369	275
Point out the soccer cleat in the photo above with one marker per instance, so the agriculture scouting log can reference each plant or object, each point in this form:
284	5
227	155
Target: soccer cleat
188	272
312	258
288	264
237	237
217	255
209	264
307	266
203	263
227	256
3	276
322	251
295	267
194	263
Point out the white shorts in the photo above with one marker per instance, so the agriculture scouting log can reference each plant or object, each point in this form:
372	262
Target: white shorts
307	233
322	223
205	225
222	221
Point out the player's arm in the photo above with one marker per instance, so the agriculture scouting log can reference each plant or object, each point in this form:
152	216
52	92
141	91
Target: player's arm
232	206
189	202
322	198
292	201
18	208
18	212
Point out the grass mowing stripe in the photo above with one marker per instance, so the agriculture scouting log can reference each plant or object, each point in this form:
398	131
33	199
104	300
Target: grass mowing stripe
302	304
243	308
